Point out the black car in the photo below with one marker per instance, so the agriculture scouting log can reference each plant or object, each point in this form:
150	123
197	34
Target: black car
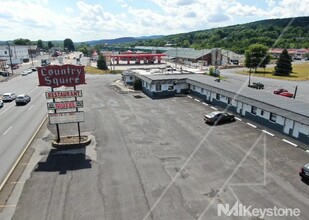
257	85
304	172
218	117
22	99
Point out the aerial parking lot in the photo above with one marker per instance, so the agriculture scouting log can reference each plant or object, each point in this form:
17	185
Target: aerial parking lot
157	159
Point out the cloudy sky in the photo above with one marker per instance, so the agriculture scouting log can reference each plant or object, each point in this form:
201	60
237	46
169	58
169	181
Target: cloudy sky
108	19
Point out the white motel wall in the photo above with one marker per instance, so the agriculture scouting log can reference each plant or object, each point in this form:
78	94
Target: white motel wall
268	110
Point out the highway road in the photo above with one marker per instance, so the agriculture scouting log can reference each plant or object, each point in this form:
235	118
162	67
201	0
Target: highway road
18	123
157	159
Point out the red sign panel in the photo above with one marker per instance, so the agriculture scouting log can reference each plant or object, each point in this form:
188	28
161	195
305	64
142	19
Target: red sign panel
66	75
64	94
64	105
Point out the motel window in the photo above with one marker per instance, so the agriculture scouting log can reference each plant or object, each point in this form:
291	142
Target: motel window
273	117
202	90
5	52
262	112
171	88
218	96
158	87
253	110
193	87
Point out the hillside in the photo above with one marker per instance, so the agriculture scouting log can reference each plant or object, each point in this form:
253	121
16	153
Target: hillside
279	33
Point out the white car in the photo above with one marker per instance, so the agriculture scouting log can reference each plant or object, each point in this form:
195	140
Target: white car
25	73
8	96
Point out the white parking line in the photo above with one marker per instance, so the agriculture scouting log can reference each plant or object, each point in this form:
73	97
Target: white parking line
30	107
239	119
7	130
268	133
197	100
213	108
189	96
251	125
205	104
289	142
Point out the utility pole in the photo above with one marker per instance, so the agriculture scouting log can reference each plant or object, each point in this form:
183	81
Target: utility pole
10	58
295	93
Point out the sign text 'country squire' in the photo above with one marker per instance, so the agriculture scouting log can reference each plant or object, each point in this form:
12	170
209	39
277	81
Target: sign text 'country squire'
56	76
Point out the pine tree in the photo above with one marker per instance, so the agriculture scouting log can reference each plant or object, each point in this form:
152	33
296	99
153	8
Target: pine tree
284	64
101	63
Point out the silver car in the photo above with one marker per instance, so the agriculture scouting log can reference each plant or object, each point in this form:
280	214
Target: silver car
22	99
8	97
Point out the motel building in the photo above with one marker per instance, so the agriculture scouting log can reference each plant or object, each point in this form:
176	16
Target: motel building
287	116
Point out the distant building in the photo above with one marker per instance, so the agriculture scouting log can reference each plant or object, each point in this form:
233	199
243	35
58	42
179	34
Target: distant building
292	52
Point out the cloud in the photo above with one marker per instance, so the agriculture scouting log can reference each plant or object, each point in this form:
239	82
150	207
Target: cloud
218	18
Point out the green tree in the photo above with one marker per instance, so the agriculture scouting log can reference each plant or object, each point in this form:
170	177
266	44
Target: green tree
284	64
256	56
101	63
50	44
68	44
137	85
40	44
22	41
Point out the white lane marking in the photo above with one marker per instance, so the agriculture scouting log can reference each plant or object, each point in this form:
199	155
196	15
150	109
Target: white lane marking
213	108
189	96
268	133
6	109
32	89
205	104
239	119
197	100
30	107
251	125
7	130
289	142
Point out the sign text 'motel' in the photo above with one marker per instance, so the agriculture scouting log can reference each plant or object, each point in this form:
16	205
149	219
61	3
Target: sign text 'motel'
64	94
64	105
65	75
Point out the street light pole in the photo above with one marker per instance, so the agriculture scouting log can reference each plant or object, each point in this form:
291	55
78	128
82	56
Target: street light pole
10	58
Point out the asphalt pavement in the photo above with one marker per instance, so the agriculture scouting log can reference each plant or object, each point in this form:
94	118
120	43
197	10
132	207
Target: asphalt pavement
155	159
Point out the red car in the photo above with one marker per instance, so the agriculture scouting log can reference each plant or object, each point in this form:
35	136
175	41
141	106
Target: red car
278	91
287	94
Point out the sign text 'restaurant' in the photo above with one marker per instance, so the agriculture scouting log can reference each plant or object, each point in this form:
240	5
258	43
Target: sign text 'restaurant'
65	75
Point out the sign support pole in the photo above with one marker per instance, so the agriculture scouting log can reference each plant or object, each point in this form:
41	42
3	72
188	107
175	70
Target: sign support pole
78	125
57	126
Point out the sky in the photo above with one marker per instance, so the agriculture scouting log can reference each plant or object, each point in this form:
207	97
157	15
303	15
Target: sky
108	19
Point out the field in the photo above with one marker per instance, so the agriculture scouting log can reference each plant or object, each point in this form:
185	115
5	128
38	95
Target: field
94	70
300	72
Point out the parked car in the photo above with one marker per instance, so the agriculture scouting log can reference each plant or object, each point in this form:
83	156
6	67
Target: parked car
278	91
33	69
1	103
257	85
218	117
8	96
287	94
4	73
25	73
304	172
22	99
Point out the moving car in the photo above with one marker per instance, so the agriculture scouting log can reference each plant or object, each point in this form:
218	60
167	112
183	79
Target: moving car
1	103
278	91
257	85
304	172
22	99
8	97
287	94
218	117
25	73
